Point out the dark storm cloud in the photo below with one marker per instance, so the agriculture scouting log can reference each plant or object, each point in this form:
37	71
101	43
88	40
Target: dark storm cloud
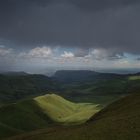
111	24
99	5
138	59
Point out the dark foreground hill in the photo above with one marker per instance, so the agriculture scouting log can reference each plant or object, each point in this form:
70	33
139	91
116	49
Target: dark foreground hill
119	121
22	117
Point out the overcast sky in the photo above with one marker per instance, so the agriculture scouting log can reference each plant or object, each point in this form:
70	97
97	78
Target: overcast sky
78	33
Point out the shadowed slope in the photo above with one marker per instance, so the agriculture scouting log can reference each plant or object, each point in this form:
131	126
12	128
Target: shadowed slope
6	131
23	116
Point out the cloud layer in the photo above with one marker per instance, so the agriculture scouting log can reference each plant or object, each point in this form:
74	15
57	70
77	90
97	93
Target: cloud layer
72	23
86	32
41	58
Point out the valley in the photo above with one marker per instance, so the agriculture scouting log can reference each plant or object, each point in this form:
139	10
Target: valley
37	107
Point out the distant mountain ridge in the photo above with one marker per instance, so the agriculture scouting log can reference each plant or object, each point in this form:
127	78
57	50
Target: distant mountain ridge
71	76
14	73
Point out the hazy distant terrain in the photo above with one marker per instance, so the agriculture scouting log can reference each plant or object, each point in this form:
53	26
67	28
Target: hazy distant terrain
95	86
74	85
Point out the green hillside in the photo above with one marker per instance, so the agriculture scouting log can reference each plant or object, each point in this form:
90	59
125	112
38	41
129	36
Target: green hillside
77	86
63	111
102	90
43	115
42	112
17	87
23	116
119	121
6	131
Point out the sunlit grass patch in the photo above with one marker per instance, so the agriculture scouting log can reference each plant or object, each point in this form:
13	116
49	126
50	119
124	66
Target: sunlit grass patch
63	111
134	78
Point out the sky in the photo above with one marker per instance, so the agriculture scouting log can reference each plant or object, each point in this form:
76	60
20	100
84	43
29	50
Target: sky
84	34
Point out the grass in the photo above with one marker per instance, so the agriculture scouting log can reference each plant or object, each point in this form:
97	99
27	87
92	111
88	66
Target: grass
64	111
23	116
119	121
134	78
42	112
6	131
15	88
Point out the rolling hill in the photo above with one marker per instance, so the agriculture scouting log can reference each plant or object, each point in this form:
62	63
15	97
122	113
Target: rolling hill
100	88
23	116
14	87
64	111
24	112
77	86
118	121
8	131
42	112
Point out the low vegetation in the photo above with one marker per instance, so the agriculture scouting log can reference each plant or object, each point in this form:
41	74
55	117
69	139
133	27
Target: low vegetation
42	112
26	113
63	111
17	87
134	77
119	121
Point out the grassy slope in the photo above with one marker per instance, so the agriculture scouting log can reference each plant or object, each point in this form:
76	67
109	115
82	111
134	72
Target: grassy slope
39	112
99	88
23	116
6	131
63	111
103	91
16	87
118	121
